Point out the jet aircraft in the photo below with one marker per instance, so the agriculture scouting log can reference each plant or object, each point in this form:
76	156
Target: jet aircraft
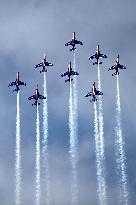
17	83
97	55
73	42
36	96
93	93
69	73
117	66
44	64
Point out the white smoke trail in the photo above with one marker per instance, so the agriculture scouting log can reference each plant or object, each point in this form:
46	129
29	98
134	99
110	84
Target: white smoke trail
37	166
45	176
97	152
101	145
75	103
18	157
72	151
75	121
120	152
75	106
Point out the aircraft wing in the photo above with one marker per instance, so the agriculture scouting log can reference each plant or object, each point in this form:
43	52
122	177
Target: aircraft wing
69	43
112	67
74	73
22	83
41	97
64	74
89	94
49	64
78	42
92	57
122	67
98	93
13	83
32	97
103	56
39	65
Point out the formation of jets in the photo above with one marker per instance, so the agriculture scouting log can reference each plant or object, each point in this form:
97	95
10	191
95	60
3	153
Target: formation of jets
44	64
116	67
97	56
69	73
73	42
93	93
36	96
17	83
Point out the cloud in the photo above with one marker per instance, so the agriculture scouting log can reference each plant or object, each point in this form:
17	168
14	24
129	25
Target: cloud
30	28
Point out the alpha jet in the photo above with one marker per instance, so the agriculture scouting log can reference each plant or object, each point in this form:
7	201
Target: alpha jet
73	42
17	83
36	96
93	93
117	66
97	56
44	64
69	73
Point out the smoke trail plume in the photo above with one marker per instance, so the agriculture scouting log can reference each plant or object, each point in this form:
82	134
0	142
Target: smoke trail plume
72	151
18	157
37	165
45	165
75	107
75	103
97	152
120	152
75	121
101	144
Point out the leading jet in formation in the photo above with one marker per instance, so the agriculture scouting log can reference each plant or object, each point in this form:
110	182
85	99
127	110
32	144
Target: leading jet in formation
97	56
44	64
117	66
36	96
69	73
17	83
73	42
93	93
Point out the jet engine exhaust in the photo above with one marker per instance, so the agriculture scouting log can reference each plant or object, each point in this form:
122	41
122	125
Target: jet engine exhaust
37	161
101	144
18	156
73	150
120	152
45	165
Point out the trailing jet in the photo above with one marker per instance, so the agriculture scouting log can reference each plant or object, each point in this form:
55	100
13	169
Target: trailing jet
36	96
117	66
97	55
17	83
69	73
93	93
73	42
44	64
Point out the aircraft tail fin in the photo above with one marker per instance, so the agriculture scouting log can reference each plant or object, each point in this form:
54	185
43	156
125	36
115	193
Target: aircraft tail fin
68	80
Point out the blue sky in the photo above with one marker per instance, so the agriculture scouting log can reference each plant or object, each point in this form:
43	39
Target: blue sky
31	28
